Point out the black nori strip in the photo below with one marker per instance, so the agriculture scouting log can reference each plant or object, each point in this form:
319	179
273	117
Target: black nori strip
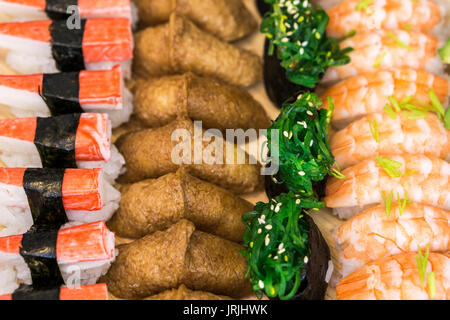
28	293
57	9
67	48
39	252
263	7
278	87
43	188
61	93
55	140
314	285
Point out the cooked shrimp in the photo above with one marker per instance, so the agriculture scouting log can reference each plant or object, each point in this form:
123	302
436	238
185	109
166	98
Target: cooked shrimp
397	278
377	134
369	92
422	15
424	180
385	49
380	232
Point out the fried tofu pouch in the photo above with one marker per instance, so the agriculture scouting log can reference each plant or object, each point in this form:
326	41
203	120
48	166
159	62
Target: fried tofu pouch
228	20
183	293
179	255
154	205
179	46
148	154
158	101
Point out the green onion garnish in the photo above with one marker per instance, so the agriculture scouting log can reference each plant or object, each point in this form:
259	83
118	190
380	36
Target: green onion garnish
377	63
388	202
439	109
398	41
431	280
390	167
407	27
389	111
447	119
422	262
374	130
363	5
402	202
444	52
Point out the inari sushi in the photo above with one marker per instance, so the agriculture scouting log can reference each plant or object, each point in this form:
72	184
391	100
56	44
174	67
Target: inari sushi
25	10
53	196
72	255
418	178
47	46
89	292
43	95
67	141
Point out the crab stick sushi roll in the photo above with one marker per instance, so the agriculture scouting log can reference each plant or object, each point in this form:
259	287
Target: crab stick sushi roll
423	15
387	49
47	46
406	276
44	95
380	232
366	93
24	10
378	133
52	197
67	141
90	292
386	179
72	255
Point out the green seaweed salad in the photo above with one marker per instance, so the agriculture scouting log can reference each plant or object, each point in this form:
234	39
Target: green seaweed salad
276	236
296	30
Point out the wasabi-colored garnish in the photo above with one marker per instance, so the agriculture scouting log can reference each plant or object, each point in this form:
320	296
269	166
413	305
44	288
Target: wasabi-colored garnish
422	262
387	202
444	52
363	5
377	63
390	166
402	202
431	280
296	30
276	254
374	130
304	155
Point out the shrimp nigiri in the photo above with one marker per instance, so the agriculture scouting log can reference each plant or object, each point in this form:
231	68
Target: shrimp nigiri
422	15
421	179
377	134
380	232
398	278
386	49
369	92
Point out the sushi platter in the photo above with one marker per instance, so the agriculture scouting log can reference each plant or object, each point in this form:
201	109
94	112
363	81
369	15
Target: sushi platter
104	195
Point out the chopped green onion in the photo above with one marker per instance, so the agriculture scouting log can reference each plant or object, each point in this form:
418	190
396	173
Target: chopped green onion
436	104
389	111
422	262
444	52
363	5
431	280
407	27
330	110
336	173
390	166
377	63
394	103
402	202
388	202
374	130
447	119
400	43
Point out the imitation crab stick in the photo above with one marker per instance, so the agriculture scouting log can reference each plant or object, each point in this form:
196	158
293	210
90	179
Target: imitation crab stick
67	141
50	46
90	292
43	95
58	9
29	196
82	254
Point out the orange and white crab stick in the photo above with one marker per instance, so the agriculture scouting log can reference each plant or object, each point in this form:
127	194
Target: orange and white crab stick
50	46
32	196
91	292
82	254
43	95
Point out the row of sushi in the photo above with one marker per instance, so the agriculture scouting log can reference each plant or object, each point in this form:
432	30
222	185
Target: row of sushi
392	147
57	188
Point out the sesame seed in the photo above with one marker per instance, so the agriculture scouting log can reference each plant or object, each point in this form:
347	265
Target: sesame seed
267	240
302	51
302	173
259	231
312	142
297	201
309	113
305	260
261	284
269	227
286	134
